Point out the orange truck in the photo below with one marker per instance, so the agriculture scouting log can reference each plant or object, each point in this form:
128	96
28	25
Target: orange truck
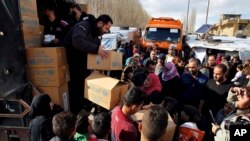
163	32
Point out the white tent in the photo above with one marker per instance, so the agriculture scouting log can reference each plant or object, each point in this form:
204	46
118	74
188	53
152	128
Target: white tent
231	45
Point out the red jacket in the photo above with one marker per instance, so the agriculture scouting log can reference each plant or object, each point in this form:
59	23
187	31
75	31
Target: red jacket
122	127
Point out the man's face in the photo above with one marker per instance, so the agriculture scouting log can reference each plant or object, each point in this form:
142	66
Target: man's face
136	108
151	68
136	61
192	68
104	28
243	98
211	61
153	55
160	61
235	60
50	15
74	12
218	74
181	64
170	51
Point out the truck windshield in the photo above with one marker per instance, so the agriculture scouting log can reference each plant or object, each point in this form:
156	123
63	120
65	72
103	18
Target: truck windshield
163	34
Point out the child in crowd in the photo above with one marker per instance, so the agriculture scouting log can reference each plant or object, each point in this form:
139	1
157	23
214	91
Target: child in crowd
188	131
101	126
154	124
63	126
189	116
123	127
82	126
239	76
173	107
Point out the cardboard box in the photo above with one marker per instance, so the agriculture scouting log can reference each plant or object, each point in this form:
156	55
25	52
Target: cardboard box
67	73
58	95
84	7
30	25
28	8
48	76
32	40
170	128
113	62
103	90
46	57
41	28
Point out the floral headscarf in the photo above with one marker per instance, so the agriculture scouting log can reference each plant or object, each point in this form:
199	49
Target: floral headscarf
169	71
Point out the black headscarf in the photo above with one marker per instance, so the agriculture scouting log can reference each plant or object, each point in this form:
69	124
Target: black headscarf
139	78
40	106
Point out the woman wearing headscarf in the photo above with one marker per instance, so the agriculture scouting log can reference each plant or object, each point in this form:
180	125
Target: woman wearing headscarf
170	80
152	88
40	127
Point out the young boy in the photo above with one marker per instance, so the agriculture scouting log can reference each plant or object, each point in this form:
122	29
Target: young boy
239	76
63	126
189	117
82	125
101	126
122	125
188	130
154	124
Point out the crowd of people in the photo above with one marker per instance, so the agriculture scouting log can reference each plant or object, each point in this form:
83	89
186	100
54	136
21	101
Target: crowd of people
49	125
180	90
190	91
204	88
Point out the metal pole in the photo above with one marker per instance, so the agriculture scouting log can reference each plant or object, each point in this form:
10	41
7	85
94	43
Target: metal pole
187	18
207	9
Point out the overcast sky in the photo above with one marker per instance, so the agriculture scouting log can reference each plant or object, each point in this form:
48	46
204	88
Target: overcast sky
178	9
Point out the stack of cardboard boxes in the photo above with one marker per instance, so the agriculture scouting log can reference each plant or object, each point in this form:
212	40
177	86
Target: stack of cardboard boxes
30	23
101	89
48	71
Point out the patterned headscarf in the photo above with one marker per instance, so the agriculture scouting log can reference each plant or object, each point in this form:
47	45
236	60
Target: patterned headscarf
169	71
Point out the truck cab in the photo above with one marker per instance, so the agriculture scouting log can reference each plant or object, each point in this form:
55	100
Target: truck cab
163	32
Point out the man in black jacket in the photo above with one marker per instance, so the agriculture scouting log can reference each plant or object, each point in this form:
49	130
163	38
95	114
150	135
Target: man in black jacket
76	14
54	26
84	38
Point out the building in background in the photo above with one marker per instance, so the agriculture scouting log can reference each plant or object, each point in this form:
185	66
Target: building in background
231	25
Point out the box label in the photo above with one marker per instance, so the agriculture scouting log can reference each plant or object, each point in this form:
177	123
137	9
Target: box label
116	64
46	57
66	101
47	76
98	90
98	95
